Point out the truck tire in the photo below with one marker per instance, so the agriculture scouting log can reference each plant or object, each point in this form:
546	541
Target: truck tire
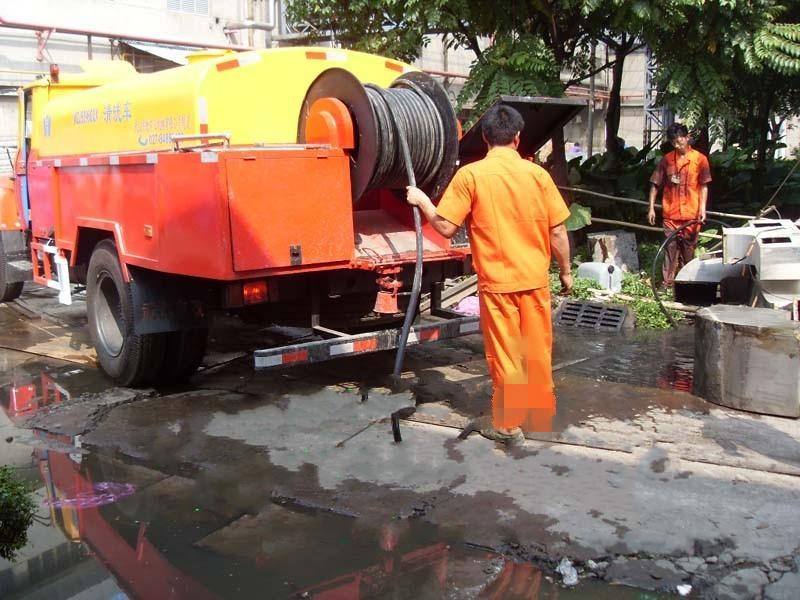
183	353
9	291
129	359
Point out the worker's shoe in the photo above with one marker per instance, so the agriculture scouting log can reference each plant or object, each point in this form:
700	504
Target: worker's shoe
507	436
484	426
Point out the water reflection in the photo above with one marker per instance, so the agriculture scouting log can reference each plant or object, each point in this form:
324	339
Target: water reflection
29	395
132	548
661	359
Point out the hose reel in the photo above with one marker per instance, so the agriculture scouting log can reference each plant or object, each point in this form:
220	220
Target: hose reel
415	104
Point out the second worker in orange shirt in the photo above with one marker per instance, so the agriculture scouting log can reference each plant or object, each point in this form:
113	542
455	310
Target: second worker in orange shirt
515	217
684	176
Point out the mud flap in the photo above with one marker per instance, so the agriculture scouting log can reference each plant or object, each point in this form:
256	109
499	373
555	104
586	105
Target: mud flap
163	303
15	259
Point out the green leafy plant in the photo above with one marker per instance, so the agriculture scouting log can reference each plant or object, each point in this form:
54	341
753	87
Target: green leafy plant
649	315
636	285
579	217
17	510
581	286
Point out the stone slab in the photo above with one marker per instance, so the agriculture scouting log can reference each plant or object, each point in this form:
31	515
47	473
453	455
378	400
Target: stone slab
748	359
617	247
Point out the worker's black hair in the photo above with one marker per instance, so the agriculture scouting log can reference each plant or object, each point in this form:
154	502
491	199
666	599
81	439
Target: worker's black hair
500	124
677	130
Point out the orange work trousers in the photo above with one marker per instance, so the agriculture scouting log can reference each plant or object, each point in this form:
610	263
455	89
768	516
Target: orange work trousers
518	338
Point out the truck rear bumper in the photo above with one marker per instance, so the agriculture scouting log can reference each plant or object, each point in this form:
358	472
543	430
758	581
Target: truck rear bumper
363	343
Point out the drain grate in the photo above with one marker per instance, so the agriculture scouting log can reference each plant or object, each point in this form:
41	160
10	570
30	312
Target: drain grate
591	315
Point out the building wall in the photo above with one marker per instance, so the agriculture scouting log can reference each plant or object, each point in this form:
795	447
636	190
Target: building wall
197	22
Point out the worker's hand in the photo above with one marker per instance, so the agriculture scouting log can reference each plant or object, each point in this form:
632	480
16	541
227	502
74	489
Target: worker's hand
702	215
651	216
415	196
566	282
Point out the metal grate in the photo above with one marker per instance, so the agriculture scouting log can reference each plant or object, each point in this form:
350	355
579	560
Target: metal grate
591	315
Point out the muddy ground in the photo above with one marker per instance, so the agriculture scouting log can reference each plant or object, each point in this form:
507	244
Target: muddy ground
244	484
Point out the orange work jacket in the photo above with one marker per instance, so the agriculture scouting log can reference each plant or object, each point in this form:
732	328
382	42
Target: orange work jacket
681	178
512	204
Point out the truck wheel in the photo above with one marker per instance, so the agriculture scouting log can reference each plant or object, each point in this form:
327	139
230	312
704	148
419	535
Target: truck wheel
9	290
127	358
183	354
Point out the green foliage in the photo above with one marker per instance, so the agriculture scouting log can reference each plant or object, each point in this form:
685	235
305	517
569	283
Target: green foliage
649	315
625	175
647	252
646	310
17	510
579	217
388	28
581	286
778	46
732	66
514	66
735	172
634	285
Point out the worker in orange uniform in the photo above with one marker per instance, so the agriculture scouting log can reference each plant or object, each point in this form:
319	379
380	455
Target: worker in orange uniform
684	175
516	217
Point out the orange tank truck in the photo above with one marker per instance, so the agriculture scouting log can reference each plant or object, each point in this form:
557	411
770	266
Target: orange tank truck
268	184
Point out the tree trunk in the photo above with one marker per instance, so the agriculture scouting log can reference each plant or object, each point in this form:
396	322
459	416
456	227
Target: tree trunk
764	110
613	145
558	162
703	141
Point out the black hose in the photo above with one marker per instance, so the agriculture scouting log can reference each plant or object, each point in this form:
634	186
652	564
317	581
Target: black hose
411	138
416	286
661	248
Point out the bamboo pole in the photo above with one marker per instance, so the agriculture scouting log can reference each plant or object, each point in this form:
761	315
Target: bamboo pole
645	227
645	203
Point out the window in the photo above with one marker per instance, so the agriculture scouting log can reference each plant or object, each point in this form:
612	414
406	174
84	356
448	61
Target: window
197	7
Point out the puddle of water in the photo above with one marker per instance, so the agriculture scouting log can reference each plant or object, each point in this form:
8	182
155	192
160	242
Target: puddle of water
659	359
30	384
161	542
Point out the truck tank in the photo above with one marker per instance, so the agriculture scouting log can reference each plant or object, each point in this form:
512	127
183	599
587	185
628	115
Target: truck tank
254	97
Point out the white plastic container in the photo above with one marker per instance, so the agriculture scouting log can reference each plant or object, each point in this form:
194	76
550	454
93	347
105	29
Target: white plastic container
607	275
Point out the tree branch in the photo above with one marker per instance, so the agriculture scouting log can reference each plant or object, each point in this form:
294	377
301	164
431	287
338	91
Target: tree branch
600	69
472	41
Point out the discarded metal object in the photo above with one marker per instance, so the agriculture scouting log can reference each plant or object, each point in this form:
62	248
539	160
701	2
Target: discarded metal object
403	413
360	431
591	315
759	264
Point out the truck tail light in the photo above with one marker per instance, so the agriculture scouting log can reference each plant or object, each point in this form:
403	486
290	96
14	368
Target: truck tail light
254	292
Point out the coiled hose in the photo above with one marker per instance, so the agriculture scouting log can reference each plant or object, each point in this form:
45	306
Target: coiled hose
411	137
661	248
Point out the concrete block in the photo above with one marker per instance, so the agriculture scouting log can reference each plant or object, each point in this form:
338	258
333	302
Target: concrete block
786	588
745	583
617	247
748	359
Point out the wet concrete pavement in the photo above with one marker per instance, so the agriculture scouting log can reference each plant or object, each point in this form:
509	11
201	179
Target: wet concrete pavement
246	484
